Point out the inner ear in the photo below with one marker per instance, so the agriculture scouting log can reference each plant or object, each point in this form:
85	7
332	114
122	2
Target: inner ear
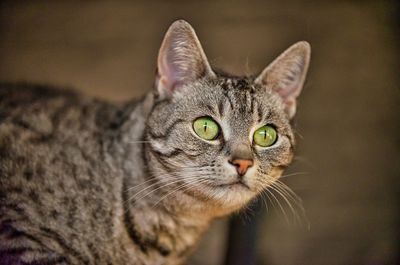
287	73
181	59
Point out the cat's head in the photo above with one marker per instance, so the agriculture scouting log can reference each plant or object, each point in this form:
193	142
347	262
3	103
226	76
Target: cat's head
218	138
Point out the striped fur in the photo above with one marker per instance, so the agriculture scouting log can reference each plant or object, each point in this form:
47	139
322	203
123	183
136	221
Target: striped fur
83	181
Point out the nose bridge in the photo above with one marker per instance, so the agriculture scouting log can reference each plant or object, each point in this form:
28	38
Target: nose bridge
241	150
238	143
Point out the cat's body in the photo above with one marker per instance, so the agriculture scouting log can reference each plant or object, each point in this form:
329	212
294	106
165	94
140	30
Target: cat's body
84	181
63	166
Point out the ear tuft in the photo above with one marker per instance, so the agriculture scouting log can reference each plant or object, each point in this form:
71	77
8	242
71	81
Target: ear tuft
287	73
181	59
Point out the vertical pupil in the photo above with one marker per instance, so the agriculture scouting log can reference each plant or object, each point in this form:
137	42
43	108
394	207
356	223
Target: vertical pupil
205	126
265	134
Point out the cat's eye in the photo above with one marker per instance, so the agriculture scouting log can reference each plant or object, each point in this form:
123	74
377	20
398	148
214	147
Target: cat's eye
206	128
265	136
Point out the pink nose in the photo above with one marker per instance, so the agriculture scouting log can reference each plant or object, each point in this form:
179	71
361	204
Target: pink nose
242	165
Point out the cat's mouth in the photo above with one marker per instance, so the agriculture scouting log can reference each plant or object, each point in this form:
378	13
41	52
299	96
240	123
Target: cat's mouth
234	184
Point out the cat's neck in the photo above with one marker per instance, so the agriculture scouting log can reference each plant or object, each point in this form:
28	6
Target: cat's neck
166	226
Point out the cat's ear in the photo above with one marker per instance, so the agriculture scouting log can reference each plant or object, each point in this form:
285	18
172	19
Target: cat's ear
181	59
286	74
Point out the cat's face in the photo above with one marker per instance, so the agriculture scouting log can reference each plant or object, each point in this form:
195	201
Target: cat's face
239	108
217	138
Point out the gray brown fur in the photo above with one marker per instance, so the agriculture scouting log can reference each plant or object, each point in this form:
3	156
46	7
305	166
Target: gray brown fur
73	170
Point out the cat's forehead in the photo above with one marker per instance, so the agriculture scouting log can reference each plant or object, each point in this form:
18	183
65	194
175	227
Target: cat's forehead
230	97
236	83
240	91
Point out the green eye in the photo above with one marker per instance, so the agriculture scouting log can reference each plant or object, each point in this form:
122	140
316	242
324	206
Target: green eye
206	128
265	136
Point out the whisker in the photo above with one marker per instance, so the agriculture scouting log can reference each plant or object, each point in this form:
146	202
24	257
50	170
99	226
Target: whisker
179	188
280	206
150	180
289	190
174	181
298	133
162	176
299	213
155	184
295	174
287	202
296	199
264	201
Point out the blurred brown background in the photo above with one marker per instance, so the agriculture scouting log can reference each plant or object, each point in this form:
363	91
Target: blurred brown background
347	122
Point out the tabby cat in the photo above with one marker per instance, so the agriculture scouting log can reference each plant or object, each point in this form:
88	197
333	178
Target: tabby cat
84	181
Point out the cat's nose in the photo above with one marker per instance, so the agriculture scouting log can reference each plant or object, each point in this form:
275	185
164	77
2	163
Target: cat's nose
242	165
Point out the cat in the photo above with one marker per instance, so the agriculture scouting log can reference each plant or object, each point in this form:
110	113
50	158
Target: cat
84	181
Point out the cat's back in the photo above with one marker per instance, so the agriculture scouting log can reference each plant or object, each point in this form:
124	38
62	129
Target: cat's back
53	179
44	109
40	122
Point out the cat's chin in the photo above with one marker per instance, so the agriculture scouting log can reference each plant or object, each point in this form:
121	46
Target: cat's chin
232	196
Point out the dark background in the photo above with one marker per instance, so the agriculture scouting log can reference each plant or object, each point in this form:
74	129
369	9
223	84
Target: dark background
347	121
